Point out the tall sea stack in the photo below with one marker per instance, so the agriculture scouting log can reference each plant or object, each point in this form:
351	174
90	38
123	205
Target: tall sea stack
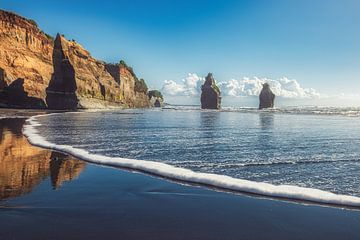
210	94
266	97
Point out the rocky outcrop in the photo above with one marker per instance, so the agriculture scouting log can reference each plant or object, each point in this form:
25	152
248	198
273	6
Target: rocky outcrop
156	98
58	74
23	166
157	103
210	94
266	97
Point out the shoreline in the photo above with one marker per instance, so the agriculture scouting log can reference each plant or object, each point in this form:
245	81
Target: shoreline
135	205
217	182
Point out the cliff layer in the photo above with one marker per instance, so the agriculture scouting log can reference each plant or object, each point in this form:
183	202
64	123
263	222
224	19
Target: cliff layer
39	72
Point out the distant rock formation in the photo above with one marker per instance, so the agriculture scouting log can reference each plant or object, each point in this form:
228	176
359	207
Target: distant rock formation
210	94
266	97
58	73
157	103
156	98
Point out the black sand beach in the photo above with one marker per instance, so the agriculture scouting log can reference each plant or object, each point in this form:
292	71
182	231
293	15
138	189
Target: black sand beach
47	195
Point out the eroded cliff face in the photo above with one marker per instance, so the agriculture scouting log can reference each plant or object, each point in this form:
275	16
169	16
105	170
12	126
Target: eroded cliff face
23	166
79	78
36	71
126	78
25	59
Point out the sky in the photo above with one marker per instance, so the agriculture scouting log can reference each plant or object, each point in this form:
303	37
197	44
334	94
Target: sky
313	44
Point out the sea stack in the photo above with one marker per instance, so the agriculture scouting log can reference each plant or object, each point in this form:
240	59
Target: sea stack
156	98
157	103
266	97
210	94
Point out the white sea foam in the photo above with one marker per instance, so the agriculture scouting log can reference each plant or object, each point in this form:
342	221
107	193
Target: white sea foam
305	110
186	175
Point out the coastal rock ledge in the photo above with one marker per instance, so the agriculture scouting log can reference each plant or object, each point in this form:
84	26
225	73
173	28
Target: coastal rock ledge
210	94
37	71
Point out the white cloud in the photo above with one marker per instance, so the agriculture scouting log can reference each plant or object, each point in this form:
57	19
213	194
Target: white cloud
284	87
189	86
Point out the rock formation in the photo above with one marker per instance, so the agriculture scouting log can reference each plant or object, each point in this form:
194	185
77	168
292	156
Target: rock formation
127	79
210	94
156	98
266	97
58	74
78	78
26	54
157	103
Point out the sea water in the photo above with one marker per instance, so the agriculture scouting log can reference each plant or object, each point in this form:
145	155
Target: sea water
314	148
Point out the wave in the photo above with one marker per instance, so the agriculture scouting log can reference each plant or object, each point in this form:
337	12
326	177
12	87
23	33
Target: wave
293	162
264	164
185	175
304	110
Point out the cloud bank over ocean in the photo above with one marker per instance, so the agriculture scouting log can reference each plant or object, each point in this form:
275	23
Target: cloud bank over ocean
283	87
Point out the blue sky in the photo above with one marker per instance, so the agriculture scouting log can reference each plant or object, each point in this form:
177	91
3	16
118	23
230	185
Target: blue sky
315	42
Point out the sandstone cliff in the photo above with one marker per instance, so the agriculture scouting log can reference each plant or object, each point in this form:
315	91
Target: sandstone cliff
37	71
210	94
127	79
77	76
25	59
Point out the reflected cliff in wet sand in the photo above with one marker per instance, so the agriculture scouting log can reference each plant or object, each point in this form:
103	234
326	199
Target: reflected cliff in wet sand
23	166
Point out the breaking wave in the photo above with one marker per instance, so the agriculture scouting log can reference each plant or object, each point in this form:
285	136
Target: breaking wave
306	110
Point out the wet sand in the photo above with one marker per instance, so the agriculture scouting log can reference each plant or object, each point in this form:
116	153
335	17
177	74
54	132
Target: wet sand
47	195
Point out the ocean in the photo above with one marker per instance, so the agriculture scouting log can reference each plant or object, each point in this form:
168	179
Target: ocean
309	153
